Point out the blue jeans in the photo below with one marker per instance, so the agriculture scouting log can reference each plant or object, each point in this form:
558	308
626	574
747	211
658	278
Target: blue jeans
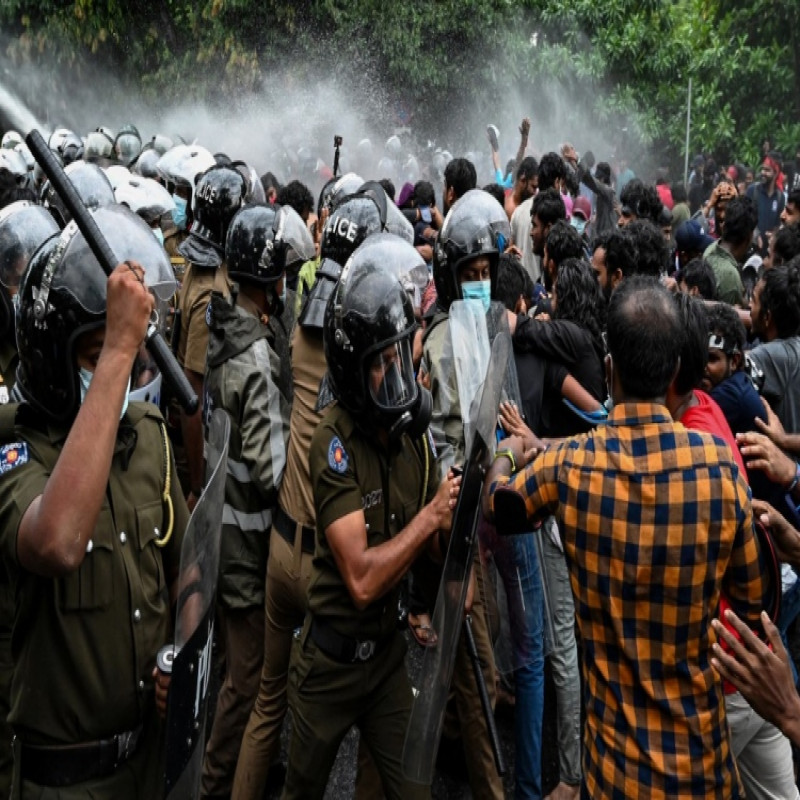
517	564
790	608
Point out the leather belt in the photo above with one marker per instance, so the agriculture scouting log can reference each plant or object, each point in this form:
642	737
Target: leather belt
287	528
66	765
345	649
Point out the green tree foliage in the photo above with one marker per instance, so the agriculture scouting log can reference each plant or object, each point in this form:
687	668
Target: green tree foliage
623	60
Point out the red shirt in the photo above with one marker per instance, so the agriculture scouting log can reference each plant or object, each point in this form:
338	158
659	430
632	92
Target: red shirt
707	416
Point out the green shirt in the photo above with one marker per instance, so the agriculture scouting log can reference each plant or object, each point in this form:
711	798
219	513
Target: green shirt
84	644
351	472
726	272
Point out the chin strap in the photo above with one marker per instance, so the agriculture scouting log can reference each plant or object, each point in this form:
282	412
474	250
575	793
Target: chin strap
166	498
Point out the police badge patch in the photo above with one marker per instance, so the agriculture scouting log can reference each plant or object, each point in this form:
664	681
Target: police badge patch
338	460
13	456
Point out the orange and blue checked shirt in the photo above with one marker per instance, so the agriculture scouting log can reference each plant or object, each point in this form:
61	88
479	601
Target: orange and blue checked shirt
655	520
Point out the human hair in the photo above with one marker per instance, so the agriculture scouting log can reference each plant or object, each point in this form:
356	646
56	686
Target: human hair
679	193
496	191
424	194
794	198
620	249
297	195
642	200
780	295
528	168
588	159
741	218
652	253
388	187
549	206
269	181
694	349
785	244
698	272
603	172
723	320
513	280
644	337
563	242
578	297
460	176
551	169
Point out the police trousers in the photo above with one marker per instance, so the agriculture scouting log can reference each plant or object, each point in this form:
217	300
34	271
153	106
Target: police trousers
327	698
288	574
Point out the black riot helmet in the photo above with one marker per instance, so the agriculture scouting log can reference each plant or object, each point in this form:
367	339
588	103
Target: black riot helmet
262	242
358	216
367	335
63	295
23	227
476	225
247	237
92	185
218	195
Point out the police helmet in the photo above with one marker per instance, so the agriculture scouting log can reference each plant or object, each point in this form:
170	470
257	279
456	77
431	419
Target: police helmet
127	145
145	197
23	227
475	226
66	144
14	162
218	195
91	184
99	145
146	164
63	295
10	139
367	336
183	165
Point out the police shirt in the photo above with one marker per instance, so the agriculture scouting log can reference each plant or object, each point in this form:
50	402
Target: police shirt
84	644
350	471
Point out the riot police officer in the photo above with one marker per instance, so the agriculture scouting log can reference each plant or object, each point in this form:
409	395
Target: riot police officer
23	227
218	195
85	521
466	255
243	377
378	506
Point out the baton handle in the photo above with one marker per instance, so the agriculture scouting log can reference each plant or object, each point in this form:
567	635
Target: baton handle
488	714
174	376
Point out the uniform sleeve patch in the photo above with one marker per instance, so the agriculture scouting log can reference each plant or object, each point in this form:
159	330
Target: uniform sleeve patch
13	456
338	459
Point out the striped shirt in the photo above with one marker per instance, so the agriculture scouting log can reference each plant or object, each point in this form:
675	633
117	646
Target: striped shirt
655	520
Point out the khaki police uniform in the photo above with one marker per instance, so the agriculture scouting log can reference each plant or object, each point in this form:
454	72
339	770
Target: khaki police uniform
447	427
291	548
242	378
8	371
347	667
84	644
195	294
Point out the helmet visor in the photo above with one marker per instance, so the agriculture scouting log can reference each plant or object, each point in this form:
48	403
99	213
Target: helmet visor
291	231
23	227
130	239
390	377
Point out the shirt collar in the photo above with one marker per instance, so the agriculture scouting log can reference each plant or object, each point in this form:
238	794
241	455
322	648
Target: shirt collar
629	414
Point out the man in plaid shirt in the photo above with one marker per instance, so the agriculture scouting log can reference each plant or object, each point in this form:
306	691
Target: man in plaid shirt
655	520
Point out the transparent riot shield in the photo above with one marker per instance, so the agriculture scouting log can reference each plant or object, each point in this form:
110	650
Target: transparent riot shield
427	714
190	656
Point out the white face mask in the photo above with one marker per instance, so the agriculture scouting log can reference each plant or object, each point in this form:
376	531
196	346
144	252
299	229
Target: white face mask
85	380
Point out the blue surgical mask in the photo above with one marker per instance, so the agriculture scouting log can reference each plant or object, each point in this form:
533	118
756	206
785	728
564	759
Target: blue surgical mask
579	224
159	234
477	290
179	212
85	379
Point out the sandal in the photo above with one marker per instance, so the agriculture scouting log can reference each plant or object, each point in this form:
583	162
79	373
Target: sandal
423	632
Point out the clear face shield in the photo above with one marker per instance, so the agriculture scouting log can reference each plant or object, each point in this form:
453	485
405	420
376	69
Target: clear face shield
390	377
